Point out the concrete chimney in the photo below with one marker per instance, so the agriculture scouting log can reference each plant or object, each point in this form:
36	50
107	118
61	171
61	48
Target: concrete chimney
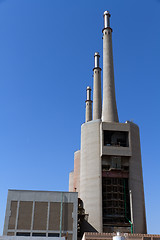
97	97
88	105
109	111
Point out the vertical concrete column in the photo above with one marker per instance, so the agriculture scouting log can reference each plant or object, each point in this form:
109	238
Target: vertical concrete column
17	214
97	96
91	174
88	105
32	220
71	181
47	227
76	178
136	182
109	111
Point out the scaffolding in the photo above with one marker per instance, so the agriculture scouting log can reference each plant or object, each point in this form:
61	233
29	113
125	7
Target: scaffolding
116	204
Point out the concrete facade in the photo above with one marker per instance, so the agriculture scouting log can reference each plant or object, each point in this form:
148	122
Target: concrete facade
90	173
88	105
136	182
94	155
30	238
132	156
76	178
109	110
110	170
71	181
97	96
41	214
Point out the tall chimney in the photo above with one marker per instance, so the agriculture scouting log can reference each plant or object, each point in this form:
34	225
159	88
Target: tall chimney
109	111
88	105
97	97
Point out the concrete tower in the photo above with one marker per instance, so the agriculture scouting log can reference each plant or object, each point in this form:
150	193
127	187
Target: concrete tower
97	98
109	113
108	170
88	105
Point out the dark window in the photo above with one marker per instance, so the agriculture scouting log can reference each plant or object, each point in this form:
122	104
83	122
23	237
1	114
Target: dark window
23	234
39	234
126	168
53	234
116	138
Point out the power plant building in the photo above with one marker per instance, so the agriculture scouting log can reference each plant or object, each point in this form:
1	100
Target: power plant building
107	169
106	190
41	214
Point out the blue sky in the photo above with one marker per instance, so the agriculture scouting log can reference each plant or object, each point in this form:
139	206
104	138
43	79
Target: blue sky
46	62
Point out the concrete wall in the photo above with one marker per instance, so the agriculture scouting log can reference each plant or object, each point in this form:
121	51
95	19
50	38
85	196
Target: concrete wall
37	213
136	181
115	151
97	96
30	238
88	110
90	173
76	178
71	180
133	151
109	110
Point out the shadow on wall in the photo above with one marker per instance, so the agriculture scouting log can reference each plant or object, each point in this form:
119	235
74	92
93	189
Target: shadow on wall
87	227
67	220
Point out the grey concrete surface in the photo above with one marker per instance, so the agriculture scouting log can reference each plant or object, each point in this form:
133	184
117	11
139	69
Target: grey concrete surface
30	238
88	105
109	109
125	157
71	181
42	198
90	173
136	181
97	96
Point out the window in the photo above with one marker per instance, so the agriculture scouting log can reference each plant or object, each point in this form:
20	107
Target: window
39	234
116	138
23	234
53	234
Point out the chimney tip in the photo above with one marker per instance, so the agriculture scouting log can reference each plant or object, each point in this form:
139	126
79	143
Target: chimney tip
96	59
106	19
107	13
96	54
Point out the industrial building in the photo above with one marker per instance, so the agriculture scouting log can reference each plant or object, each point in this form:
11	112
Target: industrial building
30	238
106	193
107	169
41	214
